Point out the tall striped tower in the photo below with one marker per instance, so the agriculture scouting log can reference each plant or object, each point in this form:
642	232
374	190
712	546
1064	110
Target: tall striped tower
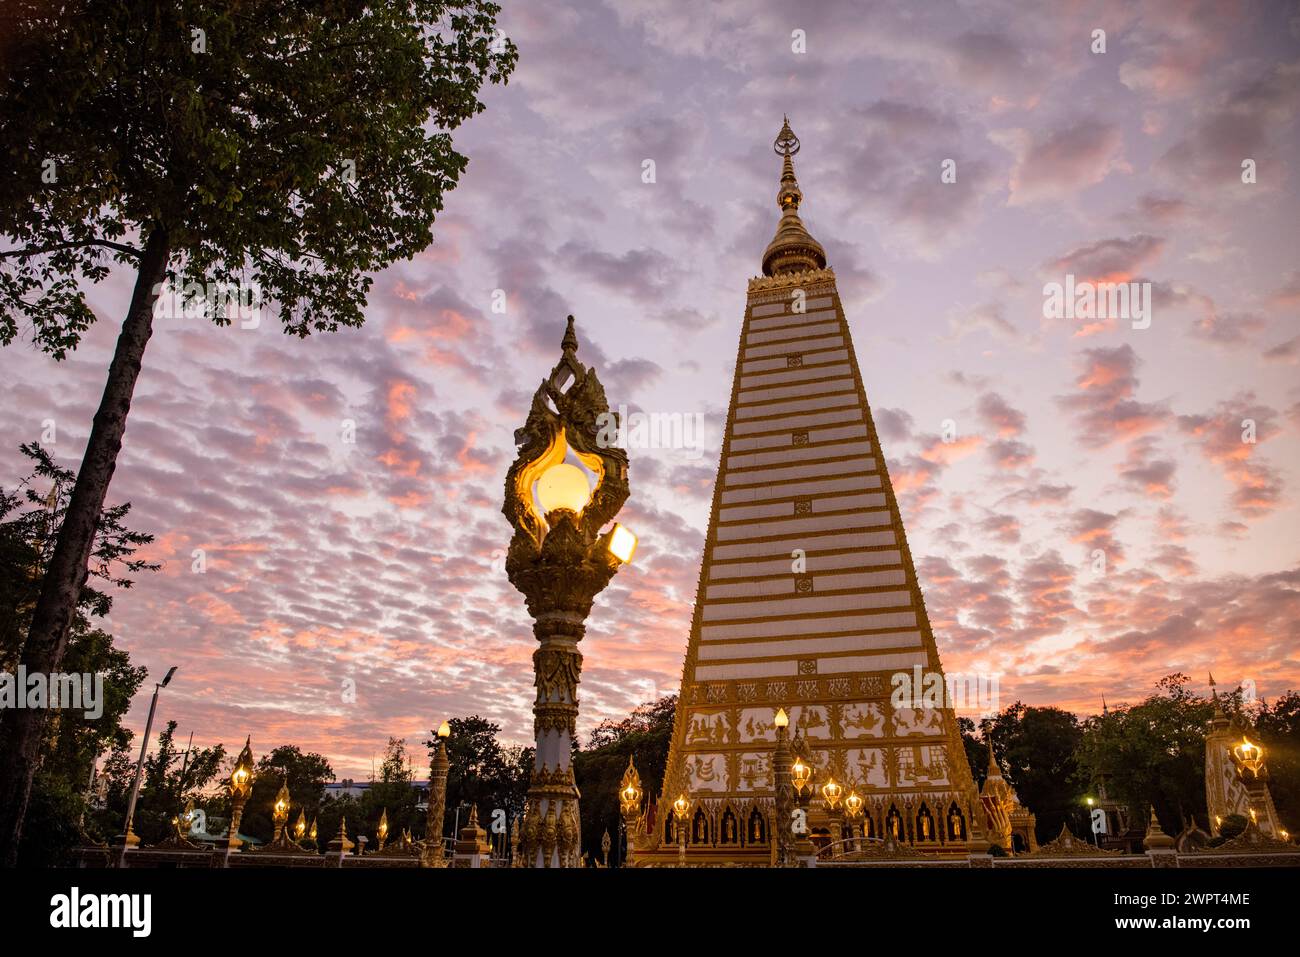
807	599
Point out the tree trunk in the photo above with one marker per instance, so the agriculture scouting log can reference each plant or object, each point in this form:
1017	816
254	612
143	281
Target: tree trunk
66	574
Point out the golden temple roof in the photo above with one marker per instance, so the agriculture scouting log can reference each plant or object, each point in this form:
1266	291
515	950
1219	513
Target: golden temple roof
792	249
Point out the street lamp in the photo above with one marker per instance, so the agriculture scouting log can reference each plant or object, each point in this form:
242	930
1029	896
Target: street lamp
240	787
129	838
281	843
433	852
680	807
800	775
280	810
781	780
629	805
853	805
567	483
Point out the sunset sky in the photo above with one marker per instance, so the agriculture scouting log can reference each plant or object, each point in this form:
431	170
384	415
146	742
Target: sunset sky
379	561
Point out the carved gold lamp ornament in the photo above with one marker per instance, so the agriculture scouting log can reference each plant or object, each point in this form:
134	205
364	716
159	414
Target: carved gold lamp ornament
680	807
382	830
630	793
853	804
831	792
800	774
300	825
1249	758
629	805
240	787
280	810
281	843
566	485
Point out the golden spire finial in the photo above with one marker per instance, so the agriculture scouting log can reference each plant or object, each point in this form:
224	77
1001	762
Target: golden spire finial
995	770
792	250
787	144
570	341
1219	718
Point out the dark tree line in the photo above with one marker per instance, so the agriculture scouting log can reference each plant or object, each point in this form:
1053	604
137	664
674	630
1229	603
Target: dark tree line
1149	754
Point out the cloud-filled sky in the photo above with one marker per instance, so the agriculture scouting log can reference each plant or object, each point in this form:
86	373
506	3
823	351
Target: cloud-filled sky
378	561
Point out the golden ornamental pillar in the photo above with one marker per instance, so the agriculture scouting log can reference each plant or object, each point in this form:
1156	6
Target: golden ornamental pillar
783	818
433	852
567	483
631	809
240	787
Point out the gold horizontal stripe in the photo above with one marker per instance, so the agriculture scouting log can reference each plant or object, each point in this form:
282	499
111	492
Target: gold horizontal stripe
777	483
857	418
862	614
817	533
845	385
743	469
819	353
809	553
862	590
831	319
769	659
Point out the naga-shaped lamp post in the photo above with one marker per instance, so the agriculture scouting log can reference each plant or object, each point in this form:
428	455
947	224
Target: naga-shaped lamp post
629	805
560	561
240	787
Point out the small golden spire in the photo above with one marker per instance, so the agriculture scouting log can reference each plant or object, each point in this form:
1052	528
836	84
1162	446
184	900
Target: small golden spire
793	249
570	341
995	769
1155	836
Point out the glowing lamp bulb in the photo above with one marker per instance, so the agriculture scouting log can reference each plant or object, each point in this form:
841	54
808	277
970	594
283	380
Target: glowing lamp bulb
800	774
782	719
444	730
622	543
563	486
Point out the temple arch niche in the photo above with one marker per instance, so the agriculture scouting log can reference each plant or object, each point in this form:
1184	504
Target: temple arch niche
894	824
925	824
700	827
728	827
956	823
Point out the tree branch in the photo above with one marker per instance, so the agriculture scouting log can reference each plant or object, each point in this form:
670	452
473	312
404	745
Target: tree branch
40	250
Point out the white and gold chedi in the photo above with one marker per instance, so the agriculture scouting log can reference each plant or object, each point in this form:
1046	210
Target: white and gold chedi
808	600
